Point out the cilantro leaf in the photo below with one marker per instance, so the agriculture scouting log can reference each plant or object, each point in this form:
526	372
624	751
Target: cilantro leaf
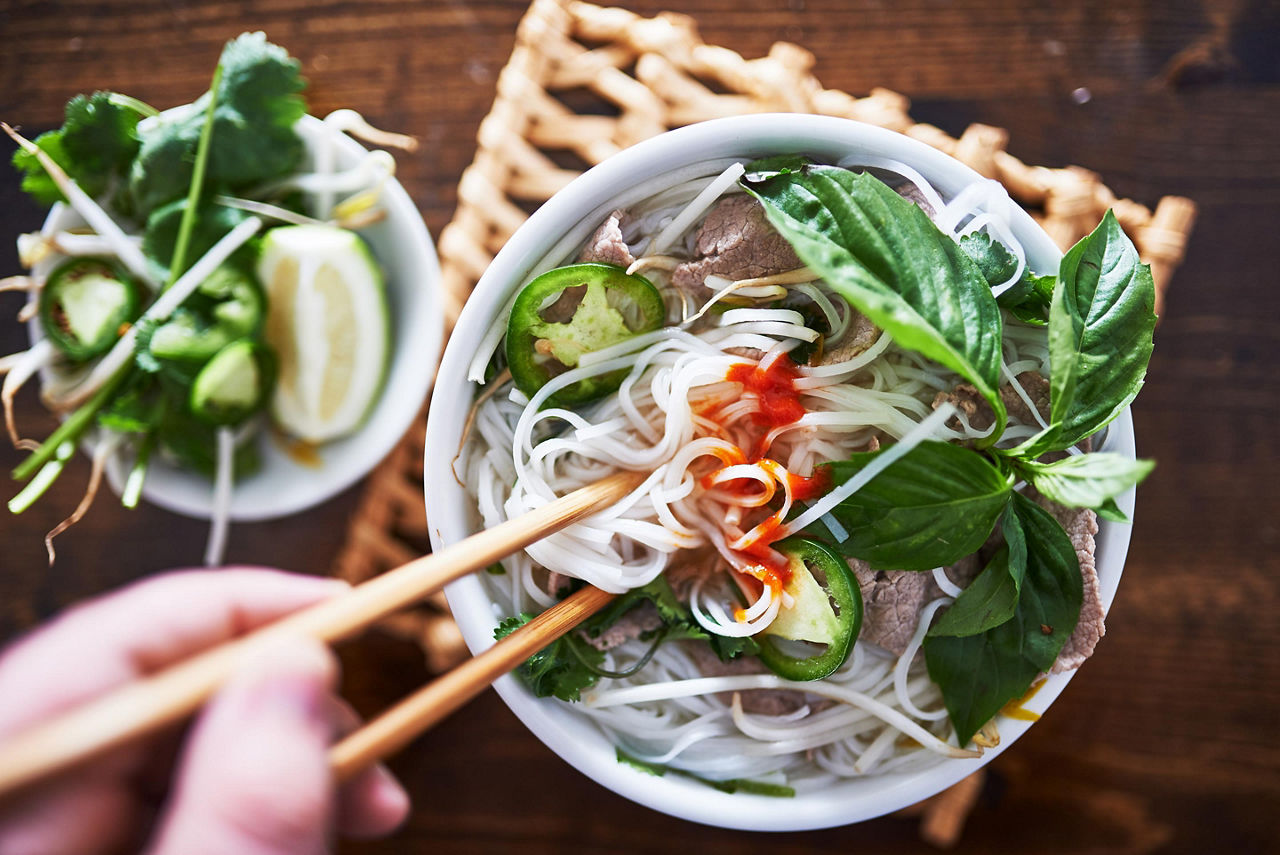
253	137
212	223
99	136
137	408
1027	299
556	670
95	144
35	181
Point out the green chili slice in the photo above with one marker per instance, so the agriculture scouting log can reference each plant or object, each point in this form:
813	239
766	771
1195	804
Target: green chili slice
84	305
813	637
571	311
234	384
227	306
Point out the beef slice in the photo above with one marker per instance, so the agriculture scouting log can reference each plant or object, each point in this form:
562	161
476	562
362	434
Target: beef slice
735	241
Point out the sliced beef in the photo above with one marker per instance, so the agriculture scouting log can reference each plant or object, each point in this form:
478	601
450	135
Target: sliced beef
912	194
736	241
1037	389
1080	524
891	603
759	701
606	246
965	396
691	569
643	618
555	581
860	335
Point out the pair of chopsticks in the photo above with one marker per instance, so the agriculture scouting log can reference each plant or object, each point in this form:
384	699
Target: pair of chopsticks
154	702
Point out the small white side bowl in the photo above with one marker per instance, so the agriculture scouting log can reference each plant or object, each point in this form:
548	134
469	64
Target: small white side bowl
581	205
284	485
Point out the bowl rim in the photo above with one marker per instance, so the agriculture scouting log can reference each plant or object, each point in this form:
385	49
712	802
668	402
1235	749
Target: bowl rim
389	419
448	508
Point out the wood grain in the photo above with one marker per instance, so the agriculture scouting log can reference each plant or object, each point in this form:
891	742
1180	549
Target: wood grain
1166	740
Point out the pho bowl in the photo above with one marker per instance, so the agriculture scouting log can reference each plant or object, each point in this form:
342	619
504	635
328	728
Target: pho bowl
554	231
292	478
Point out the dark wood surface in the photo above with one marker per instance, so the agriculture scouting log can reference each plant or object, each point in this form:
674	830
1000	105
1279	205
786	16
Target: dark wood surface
1167	740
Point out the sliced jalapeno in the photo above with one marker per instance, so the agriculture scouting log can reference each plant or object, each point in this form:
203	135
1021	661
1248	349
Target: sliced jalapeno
813	637
227	306
234	384
570	311
84	304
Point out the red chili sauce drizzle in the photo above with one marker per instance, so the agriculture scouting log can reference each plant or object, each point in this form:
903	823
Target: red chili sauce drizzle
775	388
778	404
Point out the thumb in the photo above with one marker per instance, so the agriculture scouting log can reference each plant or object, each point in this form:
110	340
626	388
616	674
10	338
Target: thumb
255	776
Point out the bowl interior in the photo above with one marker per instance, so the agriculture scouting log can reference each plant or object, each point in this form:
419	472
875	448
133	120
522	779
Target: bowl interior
285	484
548	235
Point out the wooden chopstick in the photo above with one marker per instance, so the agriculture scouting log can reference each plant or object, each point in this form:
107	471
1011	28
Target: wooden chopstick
398	726
149	704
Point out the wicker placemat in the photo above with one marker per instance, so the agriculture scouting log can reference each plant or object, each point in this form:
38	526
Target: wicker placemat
585	82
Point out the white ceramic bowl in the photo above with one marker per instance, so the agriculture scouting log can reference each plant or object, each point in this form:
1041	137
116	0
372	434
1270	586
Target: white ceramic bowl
284	485
576	209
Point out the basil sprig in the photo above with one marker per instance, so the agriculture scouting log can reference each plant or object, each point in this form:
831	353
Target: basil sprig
887	258
939	502
979	672
1101	325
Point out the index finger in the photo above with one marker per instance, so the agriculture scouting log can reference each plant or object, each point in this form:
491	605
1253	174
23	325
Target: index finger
140	629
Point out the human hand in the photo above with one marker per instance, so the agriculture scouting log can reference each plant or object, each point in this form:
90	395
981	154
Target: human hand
252	777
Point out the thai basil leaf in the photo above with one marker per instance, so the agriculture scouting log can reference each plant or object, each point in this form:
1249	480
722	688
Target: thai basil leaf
886	257
932	507
1088	480
979	674
1100	332
992	597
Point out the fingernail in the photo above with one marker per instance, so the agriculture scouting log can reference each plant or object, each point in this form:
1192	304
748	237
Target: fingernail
391	792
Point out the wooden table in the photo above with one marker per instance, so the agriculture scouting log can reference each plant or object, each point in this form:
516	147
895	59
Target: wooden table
1167	739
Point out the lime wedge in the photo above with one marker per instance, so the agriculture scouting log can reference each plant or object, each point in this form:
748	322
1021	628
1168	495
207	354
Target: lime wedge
327	320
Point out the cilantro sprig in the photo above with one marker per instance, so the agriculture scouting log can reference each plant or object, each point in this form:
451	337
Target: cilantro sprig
569	665
160	170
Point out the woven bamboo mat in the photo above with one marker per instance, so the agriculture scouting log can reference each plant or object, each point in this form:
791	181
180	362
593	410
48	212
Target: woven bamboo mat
630	78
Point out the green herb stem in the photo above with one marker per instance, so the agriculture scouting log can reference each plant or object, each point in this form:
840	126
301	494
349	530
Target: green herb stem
138	473
617	675
177	264
45	477
70	430
130	103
